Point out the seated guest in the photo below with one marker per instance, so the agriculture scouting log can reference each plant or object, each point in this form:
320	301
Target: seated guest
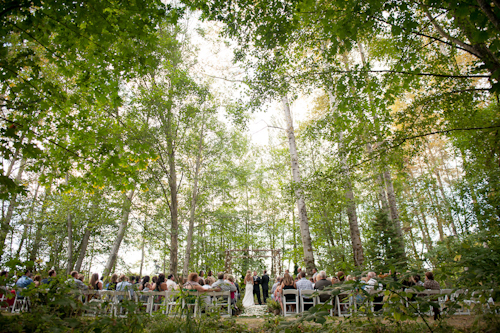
223	285
334	280
113	283
238	293
321	283
95	284
81	277
275	285
208	283
25	280
37	279
161	284
303	283
341	276
52	276
315	274
192	285
417	280
132	279
372	282
145	288
288	284
430	283
4	289
230	278
144	281
201	274
171	285
124	285
153	280
77	282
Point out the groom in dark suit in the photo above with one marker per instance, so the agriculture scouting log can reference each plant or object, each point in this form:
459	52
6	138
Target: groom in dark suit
256	288
265	286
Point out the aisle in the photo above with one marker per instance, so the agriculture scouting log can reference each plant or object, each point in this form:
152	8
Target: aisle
254	311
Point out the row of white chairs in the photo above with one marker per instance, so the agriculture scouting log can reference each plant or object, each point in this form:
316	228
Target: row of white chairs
110	302
346	303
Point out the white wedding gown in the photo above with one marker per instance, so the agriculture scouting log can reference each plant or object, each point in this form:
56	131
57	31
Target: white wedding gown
248	299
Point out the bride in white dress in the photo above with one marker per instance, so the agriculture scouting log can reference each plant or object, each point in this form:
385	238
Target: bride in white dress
248	299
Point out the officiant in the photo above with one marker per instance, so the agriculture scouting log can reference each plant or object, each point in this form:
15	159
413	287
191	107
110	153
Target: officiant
256	286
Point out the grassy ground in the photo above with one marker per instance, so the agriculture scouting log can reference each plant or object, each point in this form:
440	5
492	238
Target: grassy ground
462	323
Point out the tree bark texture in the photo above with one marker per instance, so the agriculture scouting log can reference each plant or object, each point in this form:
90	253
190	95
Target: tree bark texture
127	203
304	223
192	211
357	246
39	226
5	227
86	236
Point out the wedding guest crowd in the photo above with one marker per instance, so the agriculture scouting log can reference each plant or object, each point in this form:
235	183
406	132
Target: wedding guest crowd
205	282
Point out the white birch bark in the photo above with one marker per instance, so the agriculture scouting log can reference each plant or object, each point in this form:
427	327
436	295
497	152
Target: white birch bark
5	227
192	211
357	247
127	202
304	223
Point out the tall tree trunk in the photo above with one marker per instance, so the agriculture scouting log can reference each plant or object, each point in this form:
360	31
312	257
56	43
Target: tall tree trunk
441	189
357	247
5	227
83	249
142	256
174	227
39	226
391	196
304	224
437	216
127	203
28	223
86	236
69	220
192	212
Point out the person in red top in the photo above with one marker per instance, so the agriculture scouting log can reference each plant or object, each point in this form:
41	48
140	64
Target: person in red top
4	276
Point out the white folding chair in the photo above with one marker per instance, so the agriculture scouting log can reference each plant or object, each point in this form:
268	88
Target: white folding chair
330	300
463	306
222	299
170	302
145	300
378	300
107	301
306	298
4	299
346	305
293	302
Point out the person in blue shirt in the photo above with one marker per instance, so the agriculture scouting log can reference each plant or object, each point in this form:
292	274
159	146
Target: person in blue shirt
25	280
52	276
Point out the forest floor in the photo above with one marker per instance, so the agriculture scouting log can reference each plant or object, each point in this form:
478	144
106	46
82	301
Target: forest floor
458	322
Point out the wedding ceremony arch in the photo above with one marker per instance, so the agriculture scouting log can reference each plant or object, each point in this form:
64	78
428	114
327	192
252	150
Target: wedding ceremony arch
276	265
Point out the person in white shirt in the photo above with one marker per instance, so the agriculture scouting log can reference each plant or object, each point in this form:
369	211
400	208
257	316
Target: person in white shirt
171	285
124	285
372	282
